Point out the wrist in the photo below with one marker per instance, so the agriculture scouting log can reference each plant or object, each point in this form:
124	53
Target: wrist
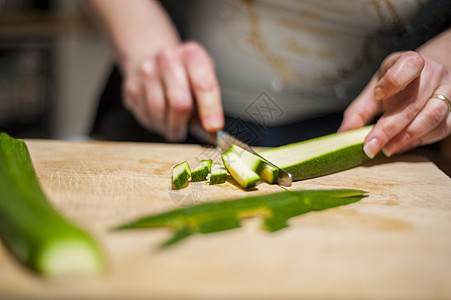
135	55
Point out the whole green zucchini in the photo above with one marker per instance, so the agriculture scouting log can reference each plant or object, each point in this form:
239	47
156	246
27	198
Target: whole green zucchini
34	232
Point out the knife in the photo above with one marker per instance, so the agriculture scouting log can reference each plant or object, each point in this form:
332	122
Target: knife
224	141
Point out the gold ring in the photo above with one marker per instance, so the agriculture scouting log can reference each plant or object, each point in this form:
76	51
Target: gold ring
441	97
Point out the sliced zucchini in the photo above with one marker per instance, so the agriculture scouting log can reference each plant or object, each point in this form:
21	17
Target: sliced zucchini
201	171
319	156
180	175
218	173
245	177
254	162
35	233
270	174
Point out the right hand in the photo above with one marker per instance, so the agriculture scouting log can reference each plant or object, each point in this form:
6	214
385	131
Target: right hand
160	91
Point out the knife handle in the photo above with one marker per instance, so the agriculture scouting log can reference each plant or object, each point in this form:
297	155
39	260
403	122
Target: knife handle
195	129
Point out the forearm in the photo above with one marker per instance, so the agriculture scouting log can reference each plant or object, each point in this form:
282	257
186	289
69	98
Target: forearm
438	48
136	29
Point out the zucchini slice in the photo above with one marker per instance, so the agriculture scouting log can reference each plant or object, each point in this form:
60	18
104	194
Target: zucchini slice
320	156
201	171
270	174
35	233
254	162
245	177
180	175
218	173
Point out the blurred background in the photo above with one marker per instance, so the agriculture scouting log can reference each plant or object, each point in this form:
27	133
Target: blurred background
53	65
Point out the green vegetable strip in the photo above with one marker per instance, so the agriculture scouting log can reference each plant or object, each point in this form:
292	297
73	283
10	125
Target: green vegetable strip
36	234
254	162
243	175
276	209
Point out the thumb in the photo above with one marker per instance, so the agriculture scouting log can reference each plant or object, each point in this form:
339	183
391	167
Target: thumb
362	110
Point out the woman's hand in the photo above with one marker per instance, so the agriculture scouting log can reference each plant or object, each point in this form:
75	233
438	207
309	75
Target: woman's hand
166	90
162	76
402	91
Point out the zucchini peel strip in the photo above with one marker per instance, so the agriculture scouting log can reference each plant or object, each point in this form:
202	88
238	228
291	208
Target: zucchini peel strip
275	209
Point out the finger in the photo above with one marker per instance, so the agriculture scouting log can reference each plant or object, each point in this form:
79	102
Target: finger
387	63
133	95
179	101
438	133
402	108
432	115
154	95
362	110
205	86
365	107
400	72
130	92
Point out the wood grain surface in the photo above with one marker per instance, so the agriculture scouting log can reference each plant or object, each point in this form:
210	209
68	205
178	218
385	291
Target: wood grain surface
394	244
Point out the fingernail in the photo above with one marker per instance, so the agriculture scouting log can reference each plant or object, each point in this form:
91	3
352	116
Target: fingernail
386	152
214	122
371	148
379	93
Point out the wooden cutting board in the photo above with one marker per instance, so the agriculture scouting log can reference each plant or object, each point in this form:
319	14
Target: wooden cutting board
394	244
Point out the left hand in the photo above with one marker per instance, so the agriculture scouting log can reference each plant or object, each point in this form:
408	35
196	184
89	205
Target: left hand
402	90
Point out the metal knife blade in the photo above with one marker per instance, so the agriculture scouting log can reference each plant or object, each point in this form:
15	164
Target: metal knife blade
224	141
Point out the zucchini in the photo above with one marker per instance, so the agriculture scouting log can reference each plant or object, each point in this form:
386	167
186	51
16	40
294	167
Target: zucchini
245	177
180	175
201	171
254	162
320	156
218	173
270	174
275	209
35	233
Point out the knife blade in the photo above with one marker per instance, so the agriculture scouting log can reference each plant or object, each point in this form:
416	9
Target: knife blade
223	140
